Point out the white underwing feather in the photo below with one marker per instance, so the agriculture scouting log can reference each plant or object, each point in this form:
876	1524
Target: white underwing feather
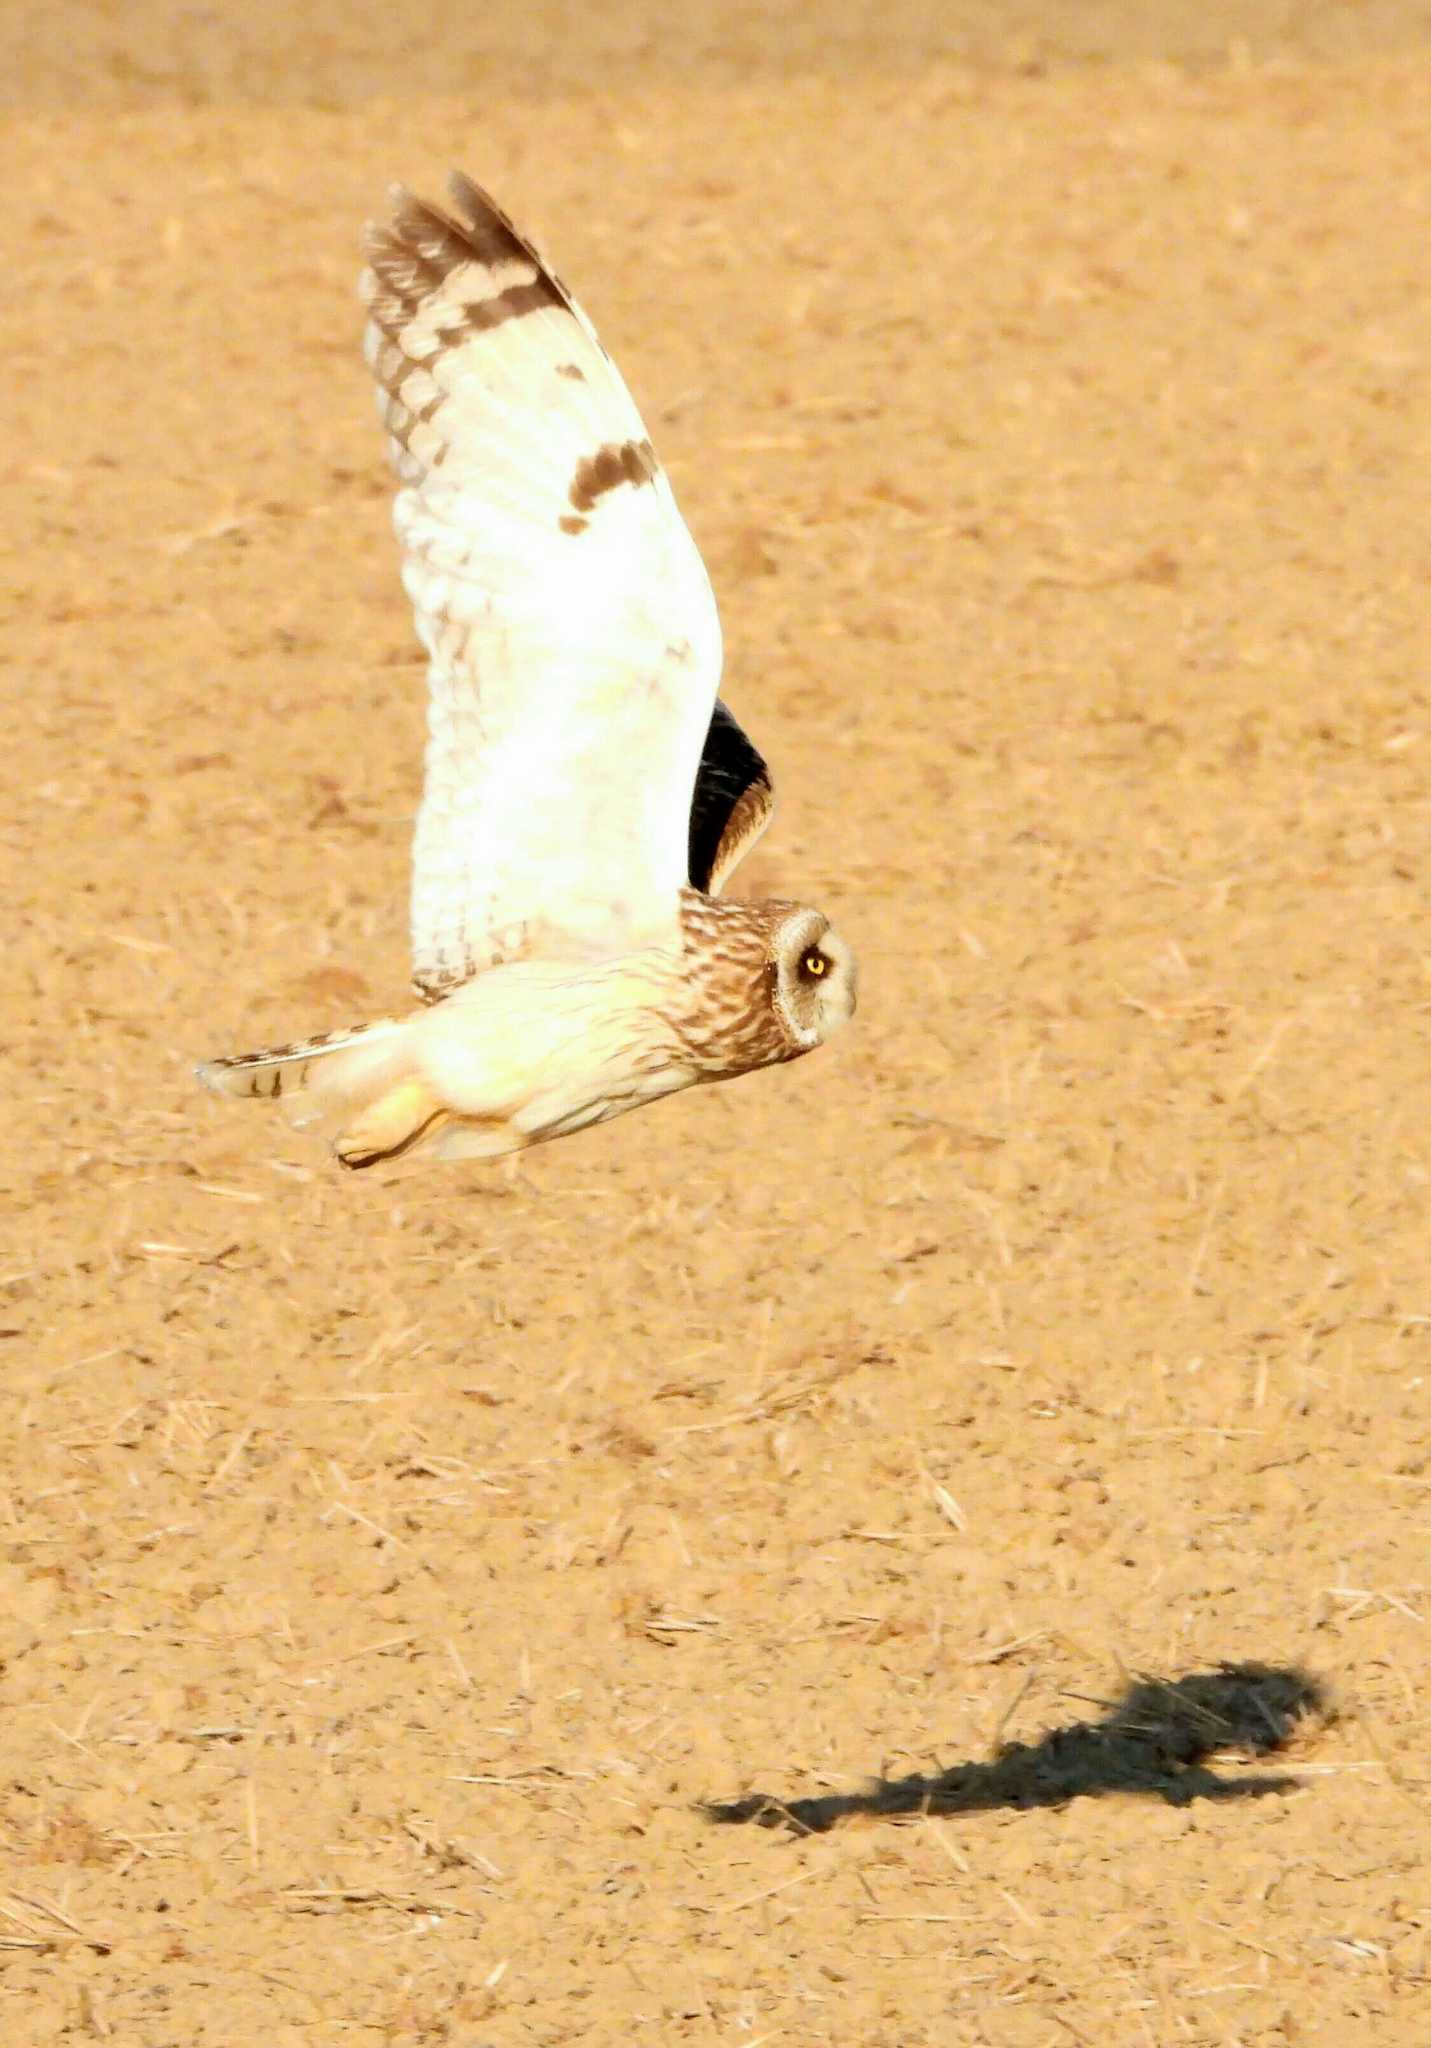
572	634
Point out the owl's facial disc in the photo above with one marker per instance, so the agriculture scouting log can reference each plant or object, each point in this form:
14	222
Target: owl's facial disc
815	979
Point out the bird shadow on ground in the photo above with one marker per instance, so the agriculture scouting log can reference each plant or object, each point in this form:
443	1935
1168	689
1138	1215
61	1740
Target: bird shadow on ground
1154	1741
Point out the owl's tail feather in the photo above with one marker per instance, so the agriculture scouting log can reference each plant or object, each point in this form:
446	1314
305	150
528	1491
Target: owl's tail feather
359	1088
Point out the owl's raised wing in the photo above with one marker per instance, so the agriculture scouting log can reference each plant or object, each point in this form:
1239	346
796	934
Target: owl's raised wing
731	804
573	639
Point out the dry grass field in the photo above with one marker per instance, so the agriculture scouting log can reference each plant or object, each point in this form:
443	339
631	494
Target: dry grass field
926	1547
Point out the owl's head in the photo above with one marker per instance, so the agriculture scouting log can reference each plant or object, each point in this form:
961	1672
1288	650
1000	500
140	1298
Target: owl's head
814	979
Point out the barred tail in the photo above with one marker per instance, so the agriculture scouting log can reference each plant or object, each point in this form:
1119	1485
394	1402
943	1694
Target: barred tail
359	1088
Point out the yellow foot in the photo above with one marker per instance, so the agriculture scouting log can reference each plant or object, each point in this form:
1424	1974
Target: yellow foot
406	1116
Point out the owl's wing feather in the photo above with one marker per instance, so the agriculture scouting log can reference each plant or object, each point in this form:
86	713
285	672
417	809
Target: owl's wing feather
731	805
573	639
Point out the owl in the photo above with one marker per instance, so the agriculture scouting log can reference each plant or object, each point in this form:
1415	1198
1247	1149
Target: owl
586	796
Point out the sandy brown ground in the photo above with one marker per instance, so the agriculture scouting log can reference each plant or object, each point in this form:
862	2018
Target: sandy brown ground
413	1594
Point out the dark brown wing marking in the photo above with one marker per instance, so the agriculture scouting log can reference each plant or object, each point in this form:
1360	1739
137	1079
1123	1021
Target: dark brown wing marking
418	248
730	805
475	260
613	464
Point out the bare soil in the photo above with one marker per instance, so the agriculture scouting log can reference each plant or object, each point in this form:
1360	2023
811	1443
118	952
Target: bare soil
926	1547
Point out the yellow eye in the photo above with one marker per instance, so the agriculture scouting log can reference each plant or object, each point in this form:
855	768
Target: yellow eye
814	964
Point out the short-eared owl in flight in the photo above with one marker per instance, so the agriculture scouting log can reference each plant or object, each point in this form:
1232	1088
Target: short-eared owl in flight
586	796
